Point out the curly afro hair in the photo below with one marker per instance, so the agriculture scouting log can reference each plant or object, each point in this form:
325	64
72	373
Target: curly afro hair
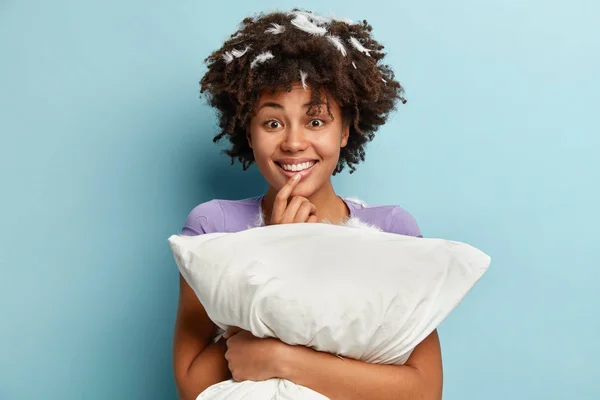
273	51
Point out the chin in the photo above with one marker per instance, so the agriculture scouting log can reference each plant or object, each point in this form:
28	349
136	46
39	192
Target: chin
304	189
302	192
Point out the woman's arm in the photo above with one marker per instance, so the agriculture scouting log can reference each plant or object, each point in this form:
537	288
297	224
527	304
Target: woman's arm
197	362
420	378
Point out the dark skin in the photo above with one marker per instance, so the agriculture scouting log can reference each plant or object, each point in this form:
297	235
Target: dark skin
367	85
199	363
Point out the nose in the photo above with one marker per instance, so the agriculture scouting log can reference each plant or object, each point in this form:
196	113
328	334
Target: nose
294	140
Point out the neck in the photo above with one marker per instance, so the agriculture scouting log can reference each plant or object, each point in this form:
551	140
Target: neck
330	207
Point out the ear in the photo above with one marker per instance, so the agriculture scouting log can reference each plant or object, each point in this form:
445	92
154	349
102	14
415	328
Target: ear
345	135
248	135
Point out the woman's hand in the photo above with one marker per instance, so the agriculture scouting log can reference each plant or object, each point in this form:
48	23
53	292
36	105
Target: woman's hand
251	358
296	210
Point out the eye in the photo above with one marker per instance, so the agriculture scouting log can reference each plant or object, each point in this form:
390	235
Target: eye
272	124
316	123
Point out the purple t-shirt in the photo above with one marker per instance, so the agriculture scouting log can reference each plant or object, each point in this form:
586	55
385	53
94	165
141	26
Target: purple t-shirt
238	215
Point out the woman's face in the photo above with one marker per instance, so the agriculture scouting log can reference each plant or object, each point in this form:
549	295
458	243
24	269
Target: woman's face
286	141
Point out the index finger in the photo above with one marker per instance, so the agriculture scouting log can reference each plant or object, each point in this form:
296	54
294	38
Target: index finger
281	200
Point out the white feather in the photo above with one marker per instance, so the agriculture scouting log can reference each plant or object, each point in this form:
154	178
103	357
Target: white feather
303	76
358	46
384	81
302	22
319	19
337	42
314	18
276	29
239	53
218	335
354	65
228	57
354	222
261	58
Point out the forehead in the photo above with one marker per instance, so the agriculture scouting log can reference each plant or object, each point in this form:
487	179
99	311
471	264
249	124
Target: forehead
296	97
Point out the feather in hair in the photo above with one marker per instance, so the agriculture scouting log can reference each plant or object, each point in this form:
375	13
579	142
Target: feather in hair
261	58
358	46
275	29
302	22
314	18
228	57
303	76
239	53
337	42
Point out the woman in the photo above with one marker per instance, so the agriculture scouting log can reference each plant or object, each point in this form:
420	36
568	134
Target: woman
300	95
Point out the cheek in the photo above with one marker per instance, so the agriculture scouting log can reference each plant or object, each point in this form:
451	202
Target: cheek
261	147
330	149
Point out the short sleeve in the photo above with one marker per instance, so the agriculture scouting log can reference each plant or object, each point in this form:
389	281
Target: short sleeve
402	222
205	218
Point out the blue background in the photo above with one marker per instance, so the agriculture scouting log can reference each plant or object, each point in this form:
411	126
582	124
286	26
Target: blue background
106	146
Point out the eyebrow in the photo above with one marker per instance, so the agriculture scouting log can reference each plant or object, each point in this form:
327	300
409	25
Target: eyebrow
270	104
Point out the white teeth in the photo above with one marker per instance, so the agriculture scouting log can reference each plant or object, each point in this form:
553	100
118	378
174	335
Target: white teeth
297	167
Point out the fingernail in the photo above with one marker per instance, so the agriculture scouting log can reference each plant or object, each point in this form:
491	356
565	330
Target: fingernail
296	177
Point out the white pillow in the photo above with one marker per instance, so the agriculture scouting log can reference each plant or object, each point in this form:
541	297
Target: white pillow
357	293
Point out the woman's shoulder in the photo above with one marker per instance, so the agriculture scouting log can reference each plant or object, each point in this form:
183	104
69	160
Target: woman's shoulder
222	216
388	218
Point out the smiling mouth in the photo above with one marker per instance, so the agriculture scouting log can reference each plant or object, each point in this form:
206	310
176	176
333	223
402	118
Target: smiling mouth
296	167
